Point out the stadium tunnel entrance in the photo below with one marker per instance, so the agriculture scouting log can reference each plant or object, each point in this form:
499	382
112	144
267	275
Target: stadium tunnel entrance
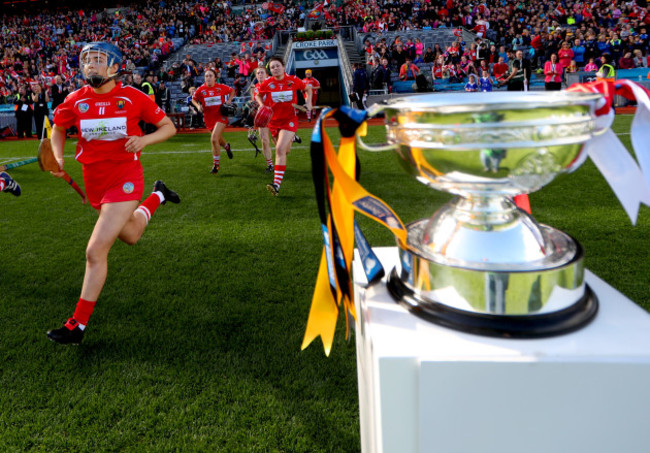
330	92
322	57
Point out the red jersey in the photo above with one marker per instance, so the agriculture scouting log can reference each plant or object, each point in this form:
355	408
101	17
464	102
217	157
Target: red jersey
256	91
106	121
315	84
211	99
281	95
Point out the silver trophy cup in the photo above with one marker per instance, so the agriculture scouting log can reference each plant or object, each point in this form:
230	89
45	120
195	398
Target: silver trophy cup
480	264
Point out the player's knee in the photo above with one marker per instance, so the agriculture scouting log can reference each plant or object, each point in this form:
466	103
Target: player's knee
96	253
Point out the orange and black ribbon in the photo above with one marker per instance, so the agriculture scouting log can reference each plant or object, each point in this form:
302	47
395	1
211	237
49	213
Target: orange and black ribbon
337	202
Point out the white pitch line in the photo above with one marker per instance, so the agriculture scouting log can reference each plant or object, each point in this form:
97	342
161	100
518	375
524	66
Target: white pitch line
146	153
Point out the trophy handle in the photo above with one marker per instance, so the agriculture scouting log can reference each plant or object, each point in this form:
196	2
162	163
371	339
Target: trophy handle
373	111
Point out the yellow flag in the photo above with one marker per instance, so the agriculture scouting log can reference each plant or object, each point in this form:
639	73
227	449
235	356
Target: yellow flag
47	127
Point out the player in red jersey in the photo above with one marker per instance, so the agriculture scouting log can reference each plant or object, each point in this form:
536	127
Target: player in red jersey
315	87
281	92
209	98
261	75
106	113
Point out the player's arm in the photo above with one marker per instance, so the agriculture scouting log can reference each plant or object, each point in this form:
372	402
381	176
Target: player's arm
258	99
166	129
58	143
198	105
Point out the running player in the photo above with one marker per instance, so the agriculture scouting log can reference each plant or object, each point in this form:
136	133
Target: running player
261	75
281	92
315	87
208	99
106	113
7	184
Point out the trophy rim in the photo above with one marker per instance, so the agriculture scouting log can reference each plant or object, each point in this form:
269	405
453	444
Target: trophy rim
486	101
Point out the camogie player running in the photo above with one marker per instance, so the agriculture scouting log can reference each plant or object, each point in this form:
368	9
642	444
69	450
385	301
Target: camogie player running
315	86
106	113
280	93
209	98
261	75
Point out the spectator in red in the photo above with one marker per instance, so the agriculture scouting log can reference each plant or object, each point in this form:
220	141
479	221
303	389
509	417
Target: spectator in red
454	51
499	69
252	64
239	84
437	70
408	71
626	61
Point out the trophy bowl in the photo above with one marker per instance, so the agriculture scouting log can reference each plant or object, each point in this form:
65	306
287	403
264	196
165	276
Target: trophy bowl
481	264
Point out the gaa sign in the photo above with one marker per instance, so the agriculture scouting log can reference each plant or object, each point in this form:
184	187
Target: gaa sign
310	58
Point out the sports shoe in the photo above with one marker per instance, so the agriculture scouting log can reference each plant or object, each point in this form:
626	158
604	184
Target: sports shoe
11	186
297	139
215	169
270	168
273	188
228	151
169	195
70	333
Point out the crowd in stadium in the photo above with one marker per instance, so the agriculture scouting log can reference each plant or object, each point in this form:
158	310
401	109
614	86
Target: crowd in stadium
36	48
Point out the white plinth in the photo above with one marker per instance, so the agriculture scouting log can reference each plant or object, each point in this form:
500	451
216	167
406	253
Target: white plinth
425	388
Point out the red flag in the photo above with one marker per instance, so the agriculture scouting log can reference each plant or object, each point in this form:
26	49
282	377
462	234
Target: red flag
317	11
277	8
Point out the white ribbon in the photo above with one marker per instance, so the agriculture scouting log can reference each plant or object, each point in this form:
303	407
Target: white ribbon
640	133
630	183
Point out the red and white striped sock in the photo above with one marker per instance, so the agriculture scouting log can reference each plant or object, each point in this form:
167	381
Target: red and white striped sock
278	174
2	184
83	311
215	160
269	162
149	206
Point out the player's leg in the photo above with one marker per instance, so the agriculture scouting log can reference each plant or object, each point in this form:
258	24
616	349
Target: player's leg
112	218
282	149
135	226
266	147
215	142
226	145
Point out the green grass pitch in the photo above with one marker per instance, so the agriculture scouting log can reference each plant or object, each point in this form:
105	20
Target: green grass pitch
194	344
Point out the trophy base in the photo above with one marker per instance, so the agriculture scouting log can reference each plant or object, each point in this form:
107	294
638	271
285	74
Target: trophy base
540	325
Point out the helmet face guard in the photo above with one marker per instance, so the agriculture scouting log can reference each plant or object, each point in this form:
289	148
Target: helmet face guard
100	56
